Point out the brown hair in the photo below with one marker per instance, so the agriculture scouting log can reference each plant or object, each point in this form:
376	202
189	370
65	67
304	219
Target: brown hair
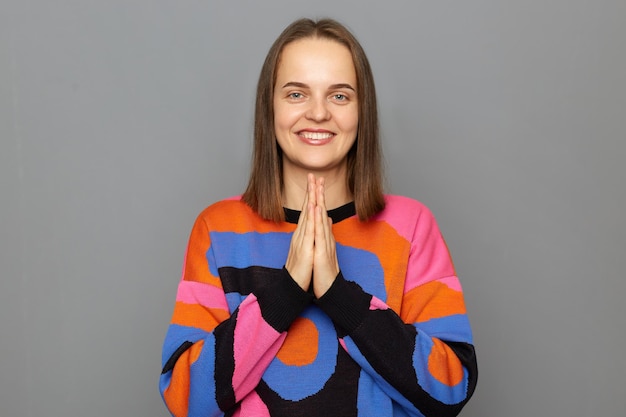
264	191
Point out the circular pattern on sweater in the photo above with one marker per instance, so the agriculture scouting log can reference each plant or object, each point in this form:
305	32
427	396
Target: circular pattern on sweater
300	346
286	379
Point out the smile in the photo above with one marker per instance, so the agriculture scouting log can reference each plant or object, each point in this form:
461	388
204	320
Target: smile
316	135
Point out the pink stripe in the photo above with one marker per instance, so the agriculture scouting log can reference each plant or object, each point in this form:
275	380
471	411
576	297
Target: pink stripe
430	258
401	212
206	295
452	282
343	344
377	304
431	263
252	405
255	345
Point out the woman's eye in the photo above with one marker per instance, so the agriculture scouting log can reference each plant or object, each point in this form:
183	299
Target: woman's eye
340	97
295	95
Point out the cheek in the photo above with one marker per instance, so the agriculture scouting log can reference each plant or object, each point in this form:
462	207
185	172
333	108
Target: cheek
282	125
349	121
282	117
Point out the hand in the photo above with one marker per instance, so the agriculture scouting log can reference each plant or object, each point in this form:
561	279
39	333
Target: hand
312	253
299	262
325	264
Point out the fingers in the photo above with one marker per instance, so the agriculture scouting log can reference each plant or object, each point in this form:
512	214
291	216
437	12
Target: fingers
311	188
313	249
305	224
308	216
299	261
325	221
322	221
325	264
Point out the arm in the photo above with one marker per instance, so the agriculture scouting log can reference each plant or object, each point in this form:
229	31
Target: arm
421	356
212	359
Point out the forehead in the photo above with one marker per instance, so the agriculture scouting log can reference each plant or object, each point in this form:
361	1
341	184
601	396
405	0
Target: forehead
316	58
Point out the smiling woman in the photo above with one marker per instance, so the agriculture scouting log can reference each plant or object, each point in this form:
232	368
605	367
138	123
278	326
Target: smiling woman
363	160
314	294
315	117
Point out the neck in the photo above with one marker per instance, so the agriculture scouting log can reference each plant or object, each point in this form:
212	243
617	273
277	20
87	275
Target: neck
336	186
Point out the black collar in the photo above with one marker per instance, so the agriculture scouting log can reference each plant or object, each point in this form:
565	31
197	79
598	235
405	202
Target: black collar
337	214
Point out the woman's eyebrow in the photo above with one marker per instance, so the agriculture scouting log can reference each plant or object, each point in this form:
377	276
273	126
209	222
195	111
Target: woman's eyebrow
340	86
332	87
295	84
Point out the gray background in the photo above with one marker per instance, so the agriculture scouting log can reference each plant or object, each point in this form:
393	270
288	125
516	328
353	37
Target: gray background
121	120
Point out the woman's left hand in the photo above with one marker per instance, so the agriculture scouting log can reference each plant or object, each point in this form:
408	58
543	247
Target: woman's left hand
325	263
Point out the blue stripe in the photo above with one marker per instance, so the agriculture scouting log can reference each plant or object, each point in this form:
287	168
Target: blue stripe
371	400
364	268
176	335
441	392
455	328
243	250
387	388
287	380
233	299
202	373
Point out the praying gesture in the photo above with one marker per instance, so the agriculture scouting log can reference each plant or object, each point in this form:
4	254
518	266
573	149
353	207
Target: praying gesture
312	259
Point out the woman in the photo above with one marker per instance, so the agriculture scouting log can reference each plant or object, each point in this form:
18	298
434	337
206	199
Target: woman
314	293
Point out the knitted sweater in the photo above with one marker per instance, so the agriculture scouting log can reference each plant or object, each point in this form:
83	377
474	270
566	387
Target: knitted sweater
389	338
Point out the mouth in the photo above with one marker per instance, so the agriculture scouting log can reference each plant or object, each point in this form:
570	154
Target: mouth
315	137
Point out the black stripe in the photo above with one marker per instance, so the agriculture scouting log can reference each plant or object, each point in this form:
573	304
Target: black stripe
169	365
225	362
337	214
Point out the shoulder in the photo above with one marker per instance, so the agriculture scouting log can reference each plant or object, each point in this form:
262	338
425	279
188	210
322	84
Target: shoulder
234	215
220	215
231	205
406	215
397	205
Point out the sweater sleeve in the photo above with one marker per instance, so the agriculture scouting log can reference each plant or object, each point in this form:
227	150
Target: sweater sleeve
213	358
422	356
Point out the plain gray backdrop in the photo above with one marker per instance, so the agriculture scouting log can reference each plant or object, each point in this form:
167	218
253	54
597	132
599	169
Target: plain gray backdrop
121	120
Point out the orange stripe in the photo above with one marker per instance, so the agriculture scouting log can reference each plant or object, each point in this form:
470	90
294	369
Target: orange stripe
195	315
444	365
380	239
177	394
195	351
431	300
225	216
196	264
236	216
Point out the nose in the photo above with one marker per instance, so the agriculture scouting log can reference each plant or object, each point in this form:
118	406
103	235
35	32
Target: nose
318	110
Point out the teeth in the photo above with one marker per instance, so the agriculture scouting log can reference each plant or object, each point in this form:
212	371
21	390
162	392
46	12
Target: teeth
316	135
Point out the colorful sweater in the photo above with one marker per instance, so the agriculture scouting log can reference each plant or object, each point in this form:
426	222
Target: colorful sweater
390	337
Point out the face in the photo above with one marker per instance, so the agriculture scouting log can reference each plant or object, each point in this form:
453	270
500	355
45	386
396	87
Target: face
315	107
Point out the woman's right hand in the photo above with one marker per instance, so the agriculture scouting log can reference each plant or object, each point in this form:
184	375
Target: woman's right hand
299	262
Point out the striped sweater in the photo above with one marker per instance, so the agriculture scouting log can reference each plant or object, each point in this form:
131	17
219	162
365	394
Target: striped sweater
390	337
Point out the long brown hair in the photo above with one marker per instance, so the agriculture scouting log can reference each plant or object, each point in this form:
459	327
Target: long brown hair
264	191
